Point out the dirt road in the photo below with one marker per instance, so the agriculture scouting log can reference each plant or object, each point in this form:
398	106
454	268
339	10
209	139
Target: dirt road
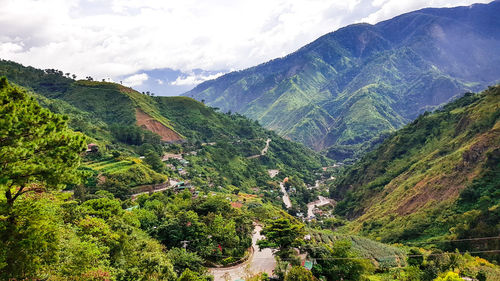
263	152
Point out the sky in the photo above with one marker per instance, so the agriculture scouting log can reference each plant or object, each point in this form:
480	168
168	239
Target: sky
169	46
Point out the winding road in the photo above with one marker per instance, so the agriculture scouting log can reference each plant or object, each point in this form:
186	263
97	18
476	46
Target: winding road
259	261
286	198
263	152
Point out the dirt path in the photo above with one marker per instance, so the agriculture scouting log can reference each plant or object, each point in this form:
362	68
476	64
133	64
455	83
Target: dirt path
260	261
263	152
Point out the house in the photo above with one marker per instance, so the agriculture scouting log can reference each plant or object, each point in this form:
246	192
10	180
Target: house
168	156
131	208
92	147
308	264
236	204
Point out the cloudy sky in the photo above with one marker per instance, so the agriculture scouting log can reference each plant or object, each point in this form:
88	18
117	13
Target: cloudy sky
176	43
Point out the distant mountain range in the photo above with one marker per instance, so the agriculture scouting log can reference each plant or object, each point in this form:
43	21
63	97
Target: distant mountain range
343	91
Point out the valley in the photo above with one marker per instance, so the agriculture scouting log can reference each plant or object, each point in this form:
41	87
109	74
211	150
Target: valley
369	154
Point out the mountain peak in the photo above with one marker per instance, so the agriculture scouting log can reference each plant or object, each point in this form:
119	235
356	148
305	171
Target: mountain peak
345	89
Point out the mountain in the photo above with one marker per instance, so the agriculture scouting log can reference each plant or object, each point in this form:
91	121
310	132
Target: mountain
125	124
342	91
436	178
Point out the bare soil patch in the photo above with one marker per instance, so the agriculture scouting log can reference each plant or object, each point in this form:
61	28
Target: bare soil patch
151	124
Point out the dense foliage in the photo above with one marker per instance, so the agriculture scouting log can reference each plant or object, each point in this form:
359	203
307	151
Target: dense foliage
338	261
442	168
207	226
43	234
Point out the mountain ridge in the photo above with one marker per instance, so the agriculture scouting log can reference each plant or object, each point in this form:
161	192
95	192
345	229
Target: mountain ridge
114	117
435	169
317	95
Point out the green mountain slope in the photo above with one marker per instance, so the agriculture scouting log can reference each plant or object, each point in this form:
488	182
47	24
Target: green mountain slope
438	177
115	117
343	90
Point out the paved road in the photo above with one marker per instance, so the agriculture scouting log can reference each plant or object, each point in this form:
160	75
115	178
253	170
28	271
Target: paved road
260	261
286	198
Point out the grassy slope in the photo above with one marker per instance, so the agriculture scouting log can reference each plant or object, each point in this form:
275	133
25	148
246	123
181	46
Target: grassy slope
132	168
93	107
382	255
408	187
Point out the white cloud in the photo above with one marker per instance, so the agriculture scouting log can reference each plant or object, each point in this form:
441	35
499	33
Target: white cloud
159	81
10	47
194	79
112	38
135	80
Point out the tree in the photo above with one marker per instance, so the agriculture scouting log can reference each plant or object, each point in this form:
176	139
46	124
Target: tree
183	259
338	262
153	160
37	153
450	276
283	235
298	273
37	149
189	275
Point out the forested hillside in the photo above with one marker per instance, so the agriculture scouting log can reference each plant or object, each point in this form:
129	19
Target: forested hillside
363	156
436	179
342	91
175	234
93	230
126	124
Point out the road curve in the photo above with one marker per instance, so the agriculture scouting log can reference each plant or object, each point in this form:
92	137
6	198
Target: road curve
286	198
260	261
